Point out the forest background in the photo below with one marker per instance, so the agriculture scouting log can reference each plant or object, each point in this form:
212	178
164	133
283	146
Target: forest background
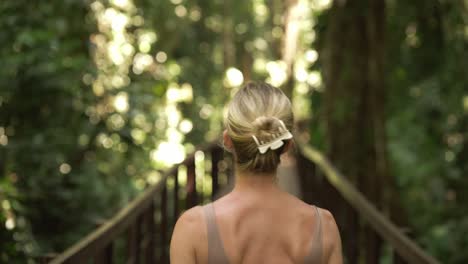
98	97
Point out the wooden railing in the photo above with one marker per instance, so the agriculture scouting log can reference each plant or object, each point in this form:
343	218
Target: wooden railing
335	192
140	232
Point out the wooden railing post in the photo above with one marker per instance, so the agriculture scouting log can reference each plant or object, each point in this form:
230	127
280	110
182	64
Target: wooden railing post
397	259
150	246
215	159
175	213
132	244
192	198
105	256
163	230
133	241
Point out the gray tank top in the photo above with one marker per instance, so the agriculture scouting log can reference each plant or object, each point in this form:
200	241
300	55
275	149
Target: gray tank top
217	254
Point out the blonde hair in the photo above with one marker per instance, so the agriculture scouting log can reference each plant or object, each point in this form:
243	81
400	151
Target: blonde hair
257	110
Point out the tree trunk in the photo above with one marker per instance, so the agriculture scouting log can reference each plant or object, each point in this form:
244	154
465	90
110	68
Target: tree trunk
229	49
289	42
354	104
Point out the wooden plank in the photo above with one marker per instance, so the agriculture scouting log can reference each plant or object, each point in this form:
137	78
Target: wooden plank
405	247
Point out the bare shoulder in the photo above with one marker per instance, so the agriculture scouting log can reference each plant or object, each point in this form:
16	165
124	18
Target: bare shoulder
327	217
331	237
189	225
329	223
191	217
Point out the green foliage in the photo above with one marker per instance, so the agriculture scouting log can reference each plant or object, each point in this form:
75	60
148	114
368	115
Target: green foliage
426	113
427	125
62	183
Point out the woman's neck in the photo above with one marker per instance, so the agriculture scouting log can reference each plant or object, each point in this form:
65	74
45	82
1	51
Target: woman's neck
265	182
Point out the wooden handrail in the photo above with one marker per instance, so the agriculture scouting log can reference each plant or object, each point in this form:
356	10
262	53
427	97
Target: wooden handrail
102	236
405	247
111	229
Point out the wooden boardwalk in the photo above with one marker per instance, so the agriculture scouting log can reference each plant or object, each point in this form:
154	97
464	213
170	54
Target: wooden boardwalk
144	226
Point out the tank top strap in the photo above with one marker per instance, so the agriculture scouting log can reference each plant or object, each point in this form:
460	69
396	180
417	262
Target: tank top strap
315	252
216	253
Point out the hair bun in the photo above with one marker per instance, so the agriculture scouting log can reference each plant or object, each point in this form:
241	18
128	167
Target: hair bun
266	124
267	128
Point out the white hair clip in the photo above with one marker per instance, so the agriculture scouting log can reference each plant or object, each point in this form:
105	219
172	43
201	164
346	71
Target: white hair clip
277	140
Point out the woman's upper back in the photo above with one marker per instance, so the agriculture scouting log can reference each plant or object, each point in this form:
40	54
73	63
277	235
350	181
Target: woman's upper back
276	229
256	231
217	253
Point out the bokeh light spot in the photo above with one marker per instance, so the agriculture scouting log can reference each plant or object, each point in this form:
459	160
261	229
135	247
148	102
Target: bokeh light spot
234	77
311	56
168	153
180	11
65	168
186	126
121	102
10	223
161	57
